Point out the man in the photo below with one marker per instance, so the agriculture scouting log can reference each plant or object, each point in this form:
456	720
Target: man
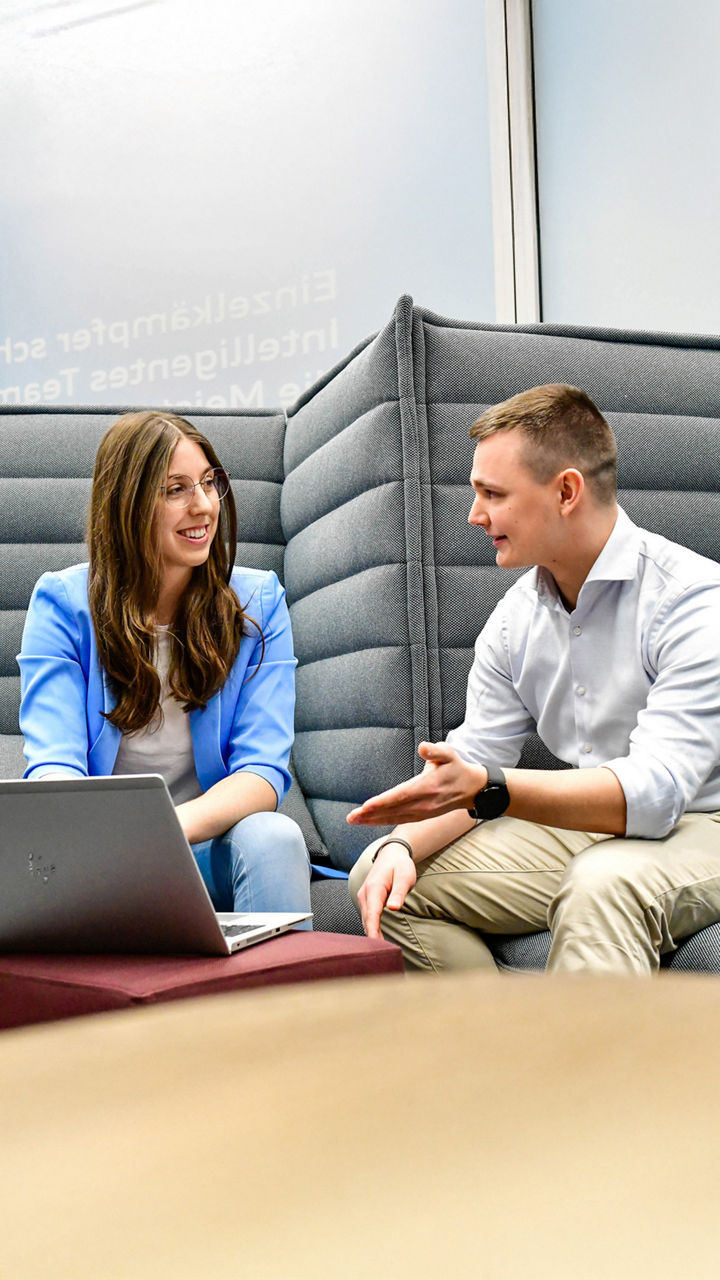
610	648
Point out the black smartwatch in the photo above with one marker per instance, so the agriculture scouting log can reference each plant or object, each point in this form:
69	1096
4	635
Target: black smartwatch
494	797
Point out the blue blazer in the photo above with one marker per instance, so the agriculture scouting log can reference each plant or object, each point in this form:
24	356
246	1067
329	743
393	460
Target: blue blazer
64	691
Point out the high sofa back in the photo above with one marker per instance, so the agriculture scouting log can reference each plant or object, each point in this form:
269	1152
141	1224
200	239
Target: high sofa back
358	498
389	585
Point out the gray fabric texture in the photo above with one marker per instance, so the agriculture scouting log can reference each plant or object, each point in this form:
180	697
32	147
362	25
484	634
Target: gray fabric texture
294	806
351	512
333	909
12	760
521	951
700	953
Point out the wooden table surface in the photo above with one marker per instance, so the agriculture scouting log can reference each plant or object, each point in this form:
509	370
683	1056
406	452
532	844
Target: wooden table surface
474	1126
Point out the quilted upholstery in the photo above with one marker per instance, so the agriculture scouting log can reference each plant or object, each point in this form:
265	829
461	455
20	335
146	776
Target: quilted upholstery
359	498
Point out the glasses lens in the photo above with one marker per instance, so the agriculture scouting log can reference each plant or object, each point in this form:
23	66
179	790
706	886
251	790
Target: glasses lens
179	492
181	489
221	481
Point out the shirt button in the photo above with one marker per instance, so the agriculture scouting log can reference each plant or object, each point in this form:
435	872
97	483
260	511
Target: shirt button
587	748
577	631
580	691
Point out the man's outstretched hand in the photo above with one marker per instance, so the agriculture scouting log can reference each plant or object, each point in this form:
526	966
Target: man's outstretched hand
447	782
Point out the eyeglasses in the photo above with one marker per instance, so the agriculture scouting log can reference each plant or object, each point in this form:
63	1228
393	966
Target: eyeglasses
181	489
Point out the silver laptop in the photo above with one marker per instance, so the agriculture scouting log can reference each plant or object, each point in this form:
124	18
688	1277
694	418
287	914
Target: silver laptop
102	865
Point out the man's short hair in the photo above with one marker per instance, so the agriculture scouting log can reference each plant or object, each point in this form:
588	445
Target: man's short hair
561	428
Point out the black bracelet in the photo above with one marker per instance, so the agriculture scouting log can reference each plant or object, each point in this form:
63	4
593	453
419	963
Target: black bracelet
393	840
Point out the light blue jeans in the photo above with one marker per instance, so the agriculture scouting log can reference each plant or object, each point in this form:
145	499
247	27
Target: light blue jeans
260	864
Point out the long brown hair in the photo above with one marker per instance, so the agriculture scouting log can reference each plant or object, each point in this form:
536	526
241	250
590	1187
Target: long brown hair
125	575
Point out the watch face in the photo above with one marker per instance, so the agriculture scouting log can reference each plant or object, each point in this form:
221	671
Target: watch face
492	800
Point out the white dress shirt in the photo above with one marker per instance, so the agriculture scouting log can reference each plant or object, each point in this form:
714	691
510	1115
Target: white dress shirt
629	679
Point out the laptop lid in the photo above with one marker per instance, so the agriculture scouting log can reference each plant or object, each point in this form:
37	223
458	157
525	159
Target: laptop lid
100	865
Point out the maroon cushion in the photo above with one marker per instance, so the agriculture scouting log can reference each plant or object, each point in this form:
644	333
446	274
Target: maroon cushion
41	988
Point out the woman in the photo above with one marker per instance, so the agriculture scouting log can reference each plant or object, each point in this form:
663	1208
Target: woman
146	661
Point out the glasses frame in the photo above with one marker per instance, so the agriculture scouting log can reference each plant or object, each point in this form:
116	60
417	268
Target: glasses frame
218	474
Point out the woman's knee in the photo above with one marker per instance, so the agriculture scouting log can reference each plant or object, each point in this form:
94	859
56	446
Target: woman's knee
269	867
273	832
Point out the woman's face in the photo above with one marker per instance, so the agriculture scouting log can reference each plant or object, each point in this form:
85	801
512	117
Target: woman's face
185	534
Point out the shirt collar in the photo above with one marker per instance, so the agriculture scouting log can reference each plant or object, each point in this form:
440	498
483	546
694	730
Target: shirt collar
617	562
618	559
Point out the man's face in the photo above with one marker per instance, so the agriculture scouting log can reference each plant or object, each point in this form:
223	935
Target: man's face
515	510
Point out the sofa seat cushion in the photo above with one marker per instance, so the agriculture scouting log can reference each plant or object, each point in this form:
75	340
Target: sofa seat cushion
46	987
700	953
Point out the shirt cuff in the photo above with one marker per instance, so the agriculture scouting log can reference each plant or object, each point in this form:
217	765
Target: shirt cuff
52	773
654	803
279	781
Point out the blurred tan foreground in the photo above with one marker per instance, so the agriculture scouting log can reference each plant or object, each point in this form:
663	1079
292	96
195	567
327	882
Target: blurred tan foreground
473	1126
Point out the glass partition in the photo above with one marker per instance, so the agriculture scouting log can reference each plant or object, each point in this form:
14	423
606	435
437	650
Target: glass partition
627	156
210	204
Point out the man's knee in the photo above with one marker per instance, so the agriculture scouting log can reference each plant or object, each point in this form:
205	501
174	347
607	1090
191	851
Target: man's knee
599	880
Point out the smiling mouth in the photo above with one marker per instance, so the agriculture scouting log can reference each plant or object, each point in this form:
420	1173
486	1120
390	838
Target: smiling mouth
193	535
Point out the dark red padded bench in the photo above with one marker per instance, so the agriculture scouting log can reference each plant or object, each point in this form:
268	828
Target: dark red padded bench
48	987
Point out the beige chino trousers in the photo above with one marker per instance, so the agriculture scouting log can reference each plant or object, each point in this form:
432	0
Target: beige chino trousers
613	905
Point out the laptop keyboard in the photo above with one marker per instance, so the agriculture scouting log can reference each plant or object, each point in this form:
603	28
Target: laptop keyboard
234	930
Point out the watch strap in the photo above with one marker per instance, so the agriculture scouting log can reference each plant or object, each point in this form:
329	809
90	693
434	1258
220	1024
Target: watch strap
392	840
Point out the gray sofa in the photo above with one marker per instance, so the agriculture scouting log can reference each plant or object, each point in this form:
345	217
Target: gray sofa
358	498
